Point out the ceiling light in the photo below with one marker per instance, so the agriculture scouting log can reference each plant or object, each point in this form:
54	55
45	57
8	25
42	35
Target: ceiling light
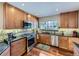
23	4
57	9
29	15
12	9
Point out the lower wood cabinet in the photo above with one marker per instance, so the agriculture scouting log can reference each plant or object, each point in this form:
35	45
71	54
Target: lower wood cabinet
63	42
71	44
66	43
44	38
18	47
6	52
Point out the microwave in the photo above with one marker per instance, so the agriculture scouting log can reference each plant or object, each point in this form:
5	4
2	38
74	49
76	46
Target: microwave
27	25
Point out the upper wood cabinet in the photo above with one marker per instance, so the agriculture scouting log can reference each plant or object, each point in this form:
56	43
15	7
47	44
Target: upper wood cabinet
9	17
69	20
20	17
73	19
13	17
34	21
64	20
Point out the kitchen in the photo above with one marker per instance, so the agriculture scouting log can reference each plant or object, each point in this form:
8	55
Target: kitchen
25	33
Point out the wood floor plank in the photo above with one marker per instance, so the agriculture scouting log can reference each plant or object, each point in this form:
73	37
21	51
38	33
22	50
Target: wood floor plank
53	51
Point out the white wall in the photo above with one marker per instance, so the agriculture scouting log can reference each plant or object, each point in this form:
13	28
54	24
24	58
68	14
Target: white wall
1	15
78	19
50	18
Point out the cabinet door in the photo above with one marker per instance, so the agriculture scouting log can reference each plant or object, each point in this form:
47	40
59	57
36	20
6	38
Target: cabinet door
69	20
73	20
9	17
18	47
64	20
44	38
18	21
13	17
33	20
63	42
71	44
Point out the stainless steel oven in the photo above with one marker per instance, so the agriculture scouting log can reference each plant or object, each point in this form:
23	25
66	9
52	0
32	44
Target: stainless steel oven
30	41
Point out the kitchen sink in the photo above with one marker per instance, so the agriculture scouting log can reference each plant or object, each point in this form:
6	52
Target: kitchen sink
45	32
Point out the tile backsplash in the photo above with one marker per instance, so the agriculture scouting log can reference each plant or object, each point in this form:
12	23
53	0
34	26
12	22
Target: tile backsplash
68	31
3	33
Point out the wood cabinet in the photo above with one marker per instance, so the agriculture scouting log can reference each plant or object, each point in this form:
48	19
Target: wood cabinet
13	17
34	21
73	19
69	20
20	17
45	38
64	20
66	43
71	47
18	47
63	42
6	52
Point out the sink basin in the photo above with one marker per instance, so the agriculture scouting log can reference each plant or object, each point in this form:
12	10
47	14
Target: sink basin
3	46
45	32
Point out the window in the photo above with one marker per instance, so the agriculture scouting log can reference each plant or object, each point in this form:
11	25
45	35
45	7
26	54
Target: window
49	25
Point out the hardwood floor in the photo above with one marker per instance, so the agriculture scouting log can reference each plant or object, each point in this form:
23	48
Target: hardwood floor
53	51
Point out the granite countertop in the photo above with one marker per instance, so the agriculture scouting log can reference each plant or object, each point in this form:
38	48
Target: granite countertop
18	38
22	36
59	34
3	47
76	44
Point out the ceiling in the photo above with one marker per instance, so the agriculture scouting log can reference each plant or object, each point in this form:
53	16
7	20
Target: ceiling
42	9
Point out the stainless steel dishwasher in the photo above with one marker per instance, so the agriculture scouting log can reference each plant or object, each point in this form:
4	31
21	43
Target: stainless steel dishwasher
54	40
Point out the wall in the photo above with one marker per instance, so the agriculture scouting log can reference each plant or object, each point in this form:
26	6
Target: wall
78	19
3	33
47	18
50	18
1	15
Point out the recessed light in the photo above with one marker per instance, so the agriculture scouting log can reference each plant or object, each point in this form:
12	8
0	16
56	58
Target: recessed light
12	9
22	4
29	15
57	9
